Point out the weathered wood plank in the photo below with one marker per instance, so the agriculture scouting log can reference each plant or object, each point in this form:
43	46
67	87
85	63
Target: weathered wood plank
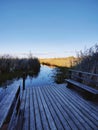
26	123
82	86
68	115
14	117
76	114
42	112
79	100
88	122
48	113
37	112
87	109
6	104
32	111
20	119
53	112
59	112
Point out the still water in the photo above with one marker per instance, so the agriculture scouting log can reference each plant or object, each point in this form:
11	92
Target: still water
45	77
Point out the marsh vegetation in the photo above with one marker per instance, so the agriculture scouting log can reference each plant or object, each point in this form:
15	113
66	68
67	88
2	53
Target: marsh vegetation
88	60
59	62
11	68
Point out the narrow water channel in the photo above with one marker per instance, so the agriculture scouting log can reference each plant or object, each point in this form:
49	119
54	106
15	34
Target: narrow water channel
45	77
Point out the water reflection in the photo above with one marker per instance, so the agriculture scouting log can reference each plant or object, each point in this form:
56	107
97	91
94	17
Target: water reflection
10	78
48	76
45	76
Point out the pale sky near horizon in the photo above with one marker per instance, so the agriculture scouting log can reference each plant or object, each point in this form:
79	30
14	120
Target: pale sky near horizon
47	28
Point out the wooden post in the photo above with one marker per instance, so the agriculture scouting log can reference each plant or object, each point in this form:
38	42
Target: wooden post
24	76
80	76
70	72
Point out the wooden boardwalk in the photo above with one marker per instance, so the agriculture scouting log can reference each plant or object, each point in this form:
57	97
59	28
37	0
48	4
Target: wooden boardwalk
56	108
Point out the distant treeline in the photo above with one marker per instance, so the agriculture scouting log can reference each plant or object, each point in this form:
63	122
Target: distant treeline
10	64
88	60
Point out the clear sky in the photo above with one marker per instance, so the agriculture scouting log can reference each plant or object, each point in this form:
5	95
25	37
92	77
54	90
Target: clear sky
47	28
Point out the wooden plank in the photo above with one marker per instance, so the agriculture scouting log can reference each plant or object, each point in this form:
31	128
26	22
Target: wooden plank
42	112
26	122
86	73
37	112
82	86
62	115
4	92
48	113
32	111
65	111
20	119
89	114
84	105
73	110
87	104
14	117
88	123
53	111
89	80
6	105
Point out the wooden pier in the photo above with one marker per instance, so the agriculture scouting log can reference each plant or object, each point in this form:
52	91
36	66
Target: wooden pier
56	108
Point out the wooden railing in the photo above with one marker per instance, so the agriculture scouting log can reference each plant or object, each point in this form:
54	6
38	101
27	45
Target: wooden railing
9	109
87	82
86	78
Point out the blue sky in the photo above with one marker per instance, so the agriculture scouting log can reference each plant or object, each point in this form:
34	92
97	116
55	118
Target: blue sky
47	28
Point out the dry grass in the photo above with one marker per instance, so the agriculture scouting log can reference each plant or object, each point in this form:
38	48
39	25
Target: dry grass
59	62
